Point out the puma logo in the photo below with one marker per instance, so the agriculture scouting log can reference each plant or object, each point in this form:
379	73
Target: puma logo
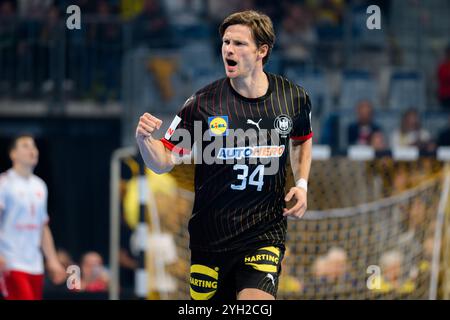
250	121
271	278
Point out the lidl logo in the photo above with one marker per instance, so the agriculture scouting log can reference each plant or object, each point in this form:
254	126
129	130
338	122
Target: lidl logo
218	125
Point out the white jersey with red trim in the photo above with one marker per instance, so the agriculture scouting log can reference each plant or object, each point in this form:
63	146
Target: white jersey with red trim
23	214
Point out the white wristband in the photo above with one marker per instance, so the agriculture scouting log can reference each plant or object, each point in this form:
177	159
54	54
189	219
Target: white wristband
302	183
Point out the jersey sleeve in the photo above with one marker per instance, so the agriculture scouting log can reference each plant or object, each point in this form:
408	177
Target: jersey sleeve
44	214
301	126
179	136
3	189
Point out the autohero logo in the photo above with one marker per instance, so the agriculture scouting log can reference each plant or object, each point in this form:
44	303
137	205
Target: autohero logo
251	152
220	144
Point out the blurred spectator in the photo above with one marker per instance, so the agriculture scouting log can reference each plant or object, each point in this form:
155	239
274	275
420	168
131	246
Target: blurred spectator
444	80
151	28
94	277
333	266
319	267
49	51
28	48
410	132
330	13
328	18
274	9
417	214
87	7
378	141
391	267
444	135
33	8
360	33
330	131
107	37
336	263
218	9
428	248
297	36
360	132
184	12
401	181
393	276
163	69
288	283
79	67
7	46
129	9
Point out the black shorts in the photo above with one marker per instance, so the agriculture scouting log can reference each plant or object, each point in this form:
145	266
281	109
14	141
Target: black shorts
221	276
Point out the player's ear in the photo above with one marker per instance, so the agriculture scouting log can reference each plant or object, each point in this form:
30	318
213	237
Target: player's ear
12	154
263	50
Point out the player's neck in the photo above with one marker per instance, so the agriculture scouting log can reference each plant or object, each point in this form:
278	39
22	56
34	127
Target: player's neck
23	171
253	86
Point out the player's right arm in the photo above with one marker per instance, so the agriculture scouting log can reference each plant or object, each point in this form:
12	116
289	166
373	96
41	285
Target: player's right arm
155	155
2	264
2	208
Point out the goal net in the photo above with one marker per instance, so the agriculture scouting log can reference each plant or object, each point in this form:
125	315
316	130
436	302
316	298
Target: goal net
371	231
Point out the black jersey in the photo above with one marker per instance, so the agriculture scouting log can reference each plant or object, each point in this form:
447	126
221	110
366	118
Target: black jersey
239	195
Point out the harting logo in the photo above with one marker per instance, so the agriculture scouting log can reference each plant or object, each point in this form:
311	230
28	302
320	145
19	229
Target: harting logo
261	257
266	259
203	282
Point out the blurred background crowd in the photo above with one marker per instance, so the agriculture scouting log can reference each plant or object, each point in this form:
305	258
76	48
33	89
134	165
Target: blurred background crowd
151	54
80	92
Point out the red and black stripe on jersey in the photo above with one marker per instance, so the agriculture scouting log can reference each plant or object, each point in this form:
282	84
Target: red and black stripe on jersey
225	218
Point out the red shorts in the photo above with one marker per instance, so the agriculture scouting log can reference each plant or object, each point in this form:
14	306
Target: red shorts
17	285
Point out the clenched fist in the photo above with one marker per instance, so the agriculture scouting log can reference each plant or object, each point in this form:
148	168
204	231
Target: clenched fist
147	124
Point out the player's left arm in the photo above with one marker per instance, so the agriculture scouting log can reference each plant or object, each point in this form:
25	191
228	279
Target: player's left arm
300	157
56	270
3	188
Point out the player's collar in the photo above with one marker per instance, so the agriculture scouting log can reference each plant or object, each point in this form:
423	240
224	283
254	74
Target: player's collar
254	100
16	175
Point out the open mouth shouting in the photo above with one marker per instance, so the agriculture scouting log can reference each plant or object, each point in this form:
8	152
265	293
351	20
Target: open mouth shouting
231	65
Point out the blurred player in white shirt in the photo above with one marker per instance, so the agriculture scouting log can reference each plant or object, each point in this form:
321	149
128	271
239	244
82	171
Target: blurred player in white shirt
24	232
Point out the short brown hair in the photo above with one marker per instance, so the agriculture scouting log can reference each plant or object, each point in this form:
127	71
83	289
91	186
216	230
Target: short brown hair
15	139
260	25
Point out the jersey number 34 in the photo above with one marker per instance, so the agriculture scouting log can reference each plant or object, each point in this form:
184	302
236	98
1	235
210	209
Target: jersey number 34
256	177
